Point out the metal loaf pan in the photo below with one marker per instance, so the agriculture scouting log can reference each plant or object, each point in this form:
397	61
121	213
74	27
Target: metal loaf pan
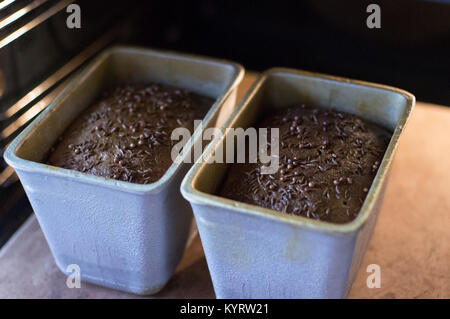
122	235
253	252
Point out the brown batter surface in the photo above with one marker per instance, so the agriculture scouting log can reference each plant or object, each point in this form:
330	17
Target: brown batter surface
328	160
125	135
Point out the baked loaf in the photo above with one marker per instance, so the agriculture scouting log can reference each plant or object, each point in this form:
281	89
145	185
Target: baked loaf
328	160
125	134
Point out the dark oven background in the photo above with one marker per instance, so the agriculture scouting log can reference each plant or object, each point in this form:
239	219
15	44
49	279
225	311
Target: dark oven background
38	52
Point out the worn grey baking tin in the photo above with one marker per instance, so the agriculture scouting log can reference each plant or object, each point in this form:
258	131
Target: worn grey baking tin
253	252
122	235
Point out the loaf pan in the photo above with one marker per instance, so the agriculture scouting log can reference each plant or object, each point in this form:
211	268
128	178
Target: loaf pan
122	235
253	252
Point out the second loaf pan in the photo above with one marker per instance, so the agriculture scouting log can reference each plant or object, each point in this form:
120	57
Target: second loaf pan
253	252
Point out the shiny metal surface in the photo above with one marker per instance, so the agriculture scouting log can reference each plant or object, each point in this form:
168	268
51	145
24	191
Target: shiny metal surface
34	23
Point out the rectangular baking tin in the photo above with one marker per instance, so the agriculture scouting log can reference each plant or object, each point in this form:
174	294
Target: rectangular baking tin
122	235
253	252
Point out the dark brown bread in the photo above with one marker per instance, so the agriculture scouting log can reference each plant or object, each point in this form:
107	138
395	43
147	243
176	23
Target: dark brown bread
125	135
328	160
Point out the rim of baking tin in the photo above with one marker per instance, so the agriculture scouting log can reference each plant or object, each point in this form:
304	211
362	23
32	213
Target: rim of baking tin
35	167
199	197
